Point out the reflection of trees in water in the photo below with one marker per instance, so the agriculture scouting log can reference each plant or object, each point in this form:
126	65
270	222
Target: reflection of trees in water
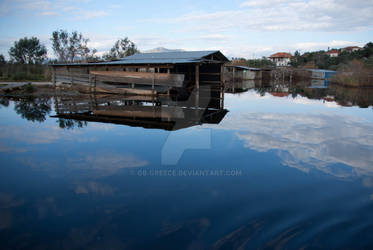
362	97
33	109
261	91
71	124
4	102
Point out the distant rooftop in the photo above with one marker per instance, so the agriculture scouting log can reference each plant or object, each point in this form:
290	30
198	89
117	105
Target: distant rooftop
351	48
333	51
281	55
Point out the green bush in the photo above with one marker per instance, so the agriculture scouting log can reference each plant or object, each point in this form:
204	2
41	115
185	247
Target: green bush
29	88
24	72
23	76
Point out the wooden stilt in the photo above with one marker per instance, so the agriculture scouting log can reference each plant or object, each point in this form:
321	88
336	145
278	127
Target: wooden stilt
222	74
54	76
197	76
153	79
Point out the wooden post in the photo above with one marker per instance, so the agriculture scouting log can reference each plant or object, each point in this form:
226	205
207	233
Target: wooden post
197	76
71	77
54	76
222	98
95	82
233	74
90	78
196	101
222	76
153	79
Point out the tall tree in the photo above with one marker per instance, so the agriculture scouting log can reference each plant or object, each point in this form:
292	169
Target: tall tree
296	60
71	47
28	51
122	48
367	51
2	59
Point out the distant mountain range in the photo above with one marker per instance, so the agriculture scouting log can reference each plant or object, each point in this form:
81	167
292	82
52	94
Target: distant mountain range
161	49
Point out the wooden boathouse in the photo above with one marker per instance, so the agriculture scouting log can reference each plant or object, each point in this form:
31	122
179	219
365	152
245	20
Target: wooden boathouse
146	73
236	73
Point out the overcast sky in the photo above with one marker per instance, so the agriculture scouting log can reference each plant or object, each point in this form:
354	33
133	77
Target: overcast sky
252	28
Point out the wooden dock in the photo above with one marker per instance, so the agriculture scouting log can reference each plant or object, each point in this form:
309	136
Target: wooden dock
161	79
13	86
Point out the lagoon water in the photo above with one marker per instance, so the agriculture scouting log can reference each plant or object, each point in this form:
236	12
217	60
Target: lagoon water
261	168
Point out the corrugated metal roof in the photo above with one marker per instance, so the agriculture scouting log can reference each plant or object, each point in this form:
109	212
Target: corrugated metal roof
167	57
322	70
243	67
161	58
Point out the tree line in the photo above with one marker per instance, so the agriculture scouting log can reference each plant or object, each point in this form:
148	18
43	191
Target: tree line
67	47
254	63
320	59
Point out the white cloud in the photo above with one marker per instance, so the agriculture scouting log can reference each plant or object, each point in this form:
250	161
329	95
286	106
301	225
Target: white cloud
94	187
85	15
312	46
48	13
94	165
246	30
39	135
9	7
109	162
280	15
214	37
50	8
235	31
262	4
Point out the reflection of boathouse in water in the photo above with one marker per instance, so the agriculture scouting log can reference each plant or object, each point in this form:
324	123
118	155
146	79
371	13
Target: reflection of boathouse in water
203	106
320	78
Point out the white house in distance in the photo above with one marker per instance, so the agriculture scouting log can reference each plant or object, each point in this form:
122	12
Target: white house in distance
351	49
333	53
336	52
281	59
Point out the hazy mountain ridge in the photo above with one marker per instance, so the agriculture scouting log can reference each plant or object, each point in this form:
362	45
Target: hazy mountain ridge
161	49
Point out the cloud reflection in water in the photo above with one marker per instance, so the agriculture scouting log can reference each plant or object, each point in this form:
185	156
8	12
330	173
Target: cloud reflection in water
336	143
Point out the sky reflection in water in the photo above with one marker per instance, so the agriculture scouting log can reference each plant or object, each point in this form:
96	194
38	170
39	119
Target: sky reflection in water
283	171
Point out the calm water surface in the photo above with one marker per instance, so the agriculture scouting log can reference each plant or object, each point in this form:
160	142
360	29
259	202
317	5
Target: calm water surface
262	168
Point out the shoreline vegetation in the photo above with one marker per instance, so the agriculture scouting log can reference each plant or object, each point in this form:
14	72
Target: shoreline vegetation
343	96
355	75
25	72
29	61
